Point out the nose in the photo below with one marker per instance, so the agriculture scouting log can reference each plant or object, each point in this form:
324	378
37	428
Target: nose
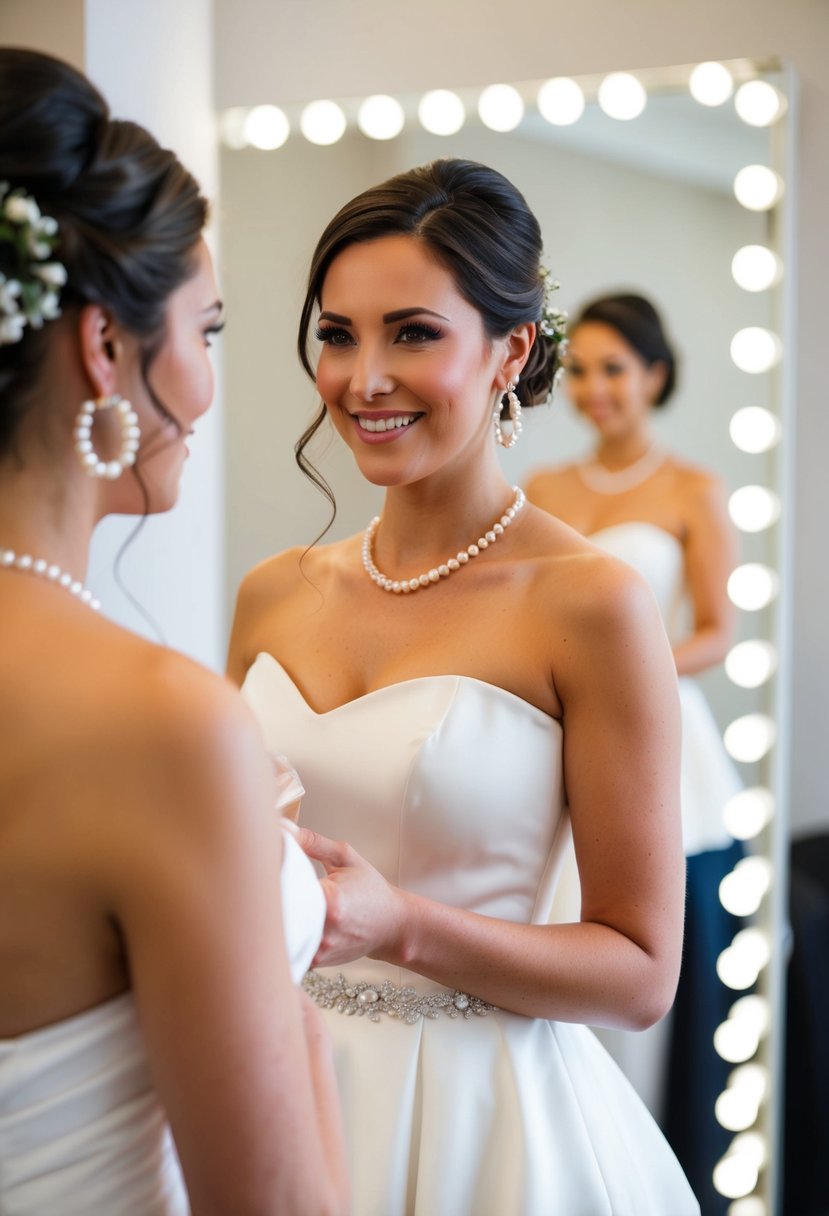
370	377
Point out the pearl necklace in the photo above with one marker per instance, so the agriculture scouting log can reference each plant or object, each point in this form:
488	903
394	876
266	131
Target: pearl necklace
9	560
608	481
452	564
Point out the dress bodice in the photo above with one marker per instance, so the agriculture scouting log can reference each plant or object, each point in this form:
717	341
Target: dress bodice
81	1129
450	786
657	555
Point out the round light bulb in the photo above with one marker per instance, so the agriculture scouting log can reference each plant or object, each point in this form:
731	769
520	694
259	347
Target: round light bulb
749	1205
753	1011
622	96
322	123
500	107
441	112
736	1110
747	812
754	429
759	103
735	1176
749	738
752	1145
756	268
381	117
754	508
266	127
741	892
752	1077
711	84
561	101
751	663
232	128
735	1043
756	350
758	188
752	586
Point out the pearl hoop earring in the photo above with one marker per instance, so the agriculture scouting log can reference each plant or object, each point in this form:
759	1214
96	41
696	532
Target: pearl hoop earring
508	441
130	437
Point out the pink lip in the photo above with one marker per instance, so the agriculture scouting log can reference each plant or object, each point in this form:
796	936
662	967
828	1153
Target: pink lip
376	437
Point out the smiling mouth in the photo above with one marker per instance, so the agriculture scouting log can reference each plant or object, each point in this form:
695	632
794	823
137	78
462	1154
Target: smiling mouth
395	423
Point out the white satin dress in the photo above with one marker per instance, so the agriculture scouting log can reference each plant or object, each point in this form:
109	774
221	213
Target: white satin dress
453	789
82	1132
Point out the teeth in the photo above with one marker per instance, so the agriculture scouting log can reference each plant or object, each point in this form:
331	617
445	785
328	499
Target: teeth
385	424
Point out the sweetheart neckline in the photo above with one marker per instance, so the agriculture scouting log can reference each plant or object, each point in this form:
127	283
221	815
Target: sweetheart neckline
634	523
373	692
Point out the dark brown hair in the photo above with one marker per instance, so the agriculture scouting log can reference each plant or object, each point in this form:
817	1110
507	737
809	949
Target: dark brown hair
129	214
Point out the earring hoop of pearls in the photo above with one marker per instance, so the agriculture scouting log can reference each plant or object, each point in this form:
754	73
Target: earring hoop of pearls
508	441
109	470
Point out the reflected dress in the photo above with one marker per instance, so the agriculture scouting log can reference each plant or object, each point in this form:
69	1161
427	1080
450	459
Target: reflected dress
453	788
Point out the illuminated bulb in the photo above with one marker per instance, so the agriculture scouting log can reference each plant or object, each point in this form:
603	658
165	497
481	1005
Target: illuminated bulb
756	350
749	738
322	123
757	187
500	107
754	429
754	508
749	1205
752	1146
749	664
622	96
232	128
756	268
711	84
735	1043
747	813
751	1011
736	1110
751	1077
741	891
381	117
752	586
441	112
759	103
266	127
735	1176
561	101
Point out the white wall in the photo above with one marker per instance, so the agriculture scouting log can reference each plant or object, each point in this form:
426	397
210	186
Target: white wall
302	49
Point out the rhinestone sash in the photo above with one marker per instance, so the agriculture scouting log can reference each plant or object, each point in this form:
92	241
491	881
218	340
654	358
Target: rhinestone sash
370	1000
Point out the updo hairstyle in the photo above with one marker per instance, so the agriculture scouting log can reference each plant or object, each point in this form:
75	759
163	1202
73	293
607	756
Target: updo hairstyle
636	320
129	214
479	227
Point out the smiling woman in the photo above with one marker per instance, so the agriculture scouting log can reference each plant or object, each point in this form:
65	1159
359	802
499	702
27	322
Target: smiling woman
543	657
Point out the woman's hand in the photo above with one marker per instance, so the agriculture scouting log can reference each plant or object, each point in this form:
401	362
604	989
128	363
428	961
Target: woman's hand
365	913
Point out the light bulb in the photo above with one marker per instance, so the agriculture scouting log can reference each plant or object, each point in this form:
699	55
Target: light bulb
756	350
754	429
736	1110
749	738
500	107
759	103
381	117
754	508
749	664
441	112
711	84
266	127
752	586
735	1176
748	811
232	128
322	123
561	101
758	188
622	96
741	892
756	268
735	1043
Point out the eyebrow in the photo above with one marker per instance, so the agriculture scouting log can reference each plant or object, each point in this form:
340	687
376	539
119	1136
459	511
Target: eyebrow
399	314
216	306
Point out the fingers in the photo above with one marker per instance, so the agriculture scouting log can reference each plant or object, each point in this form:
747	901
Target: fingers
333	854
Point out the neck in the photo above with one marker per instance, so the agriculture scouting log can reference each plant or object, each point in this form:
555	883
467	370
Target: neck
43	517
619	452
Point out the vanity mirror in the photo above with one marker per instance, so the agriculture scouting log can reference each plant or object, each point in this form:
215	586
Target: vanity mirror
640	184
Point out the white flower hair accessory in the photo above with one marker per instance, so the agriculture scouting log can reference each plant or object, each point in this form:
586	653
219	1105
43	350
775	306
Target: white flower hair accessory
553	324
30	281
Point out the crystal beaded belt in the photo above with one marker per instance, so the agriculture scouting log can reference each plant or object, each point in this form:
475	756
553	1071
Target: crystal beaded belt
363	997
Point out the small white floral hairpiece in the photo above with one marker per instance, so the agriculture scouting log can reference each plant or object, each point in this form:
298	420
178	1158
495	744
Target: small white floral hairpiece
30	288
553	324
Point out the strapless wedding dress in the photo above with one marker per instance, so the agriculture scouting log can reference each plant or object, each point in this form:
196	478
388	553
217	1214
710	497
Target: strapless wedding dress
453	788
81	1130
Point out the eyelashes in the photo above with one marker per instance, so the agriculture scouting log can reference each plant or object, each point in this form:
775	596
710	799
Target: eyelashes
213	331
413	333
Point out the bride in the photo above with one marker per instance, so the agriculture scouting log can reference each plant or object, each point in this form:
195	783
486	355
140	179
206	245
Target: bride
145	958
446	684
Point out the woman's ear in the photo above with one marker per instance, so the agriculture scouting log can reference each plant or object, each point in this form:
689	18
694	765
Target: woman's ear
99	348
657	376
518	345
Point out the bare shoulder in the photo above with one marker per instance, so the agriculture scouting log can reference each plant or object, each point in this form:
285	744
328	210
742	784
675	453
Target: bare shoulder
694	480
548	486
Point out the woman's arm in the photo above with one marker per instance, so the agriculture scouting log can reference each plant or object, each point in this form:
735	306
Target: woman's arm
710	555
619	966
243	1072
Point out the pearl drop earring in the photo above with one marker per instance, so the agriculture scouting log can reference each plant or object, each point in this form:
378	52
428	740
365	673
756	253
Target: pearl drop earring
508	441
130	437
